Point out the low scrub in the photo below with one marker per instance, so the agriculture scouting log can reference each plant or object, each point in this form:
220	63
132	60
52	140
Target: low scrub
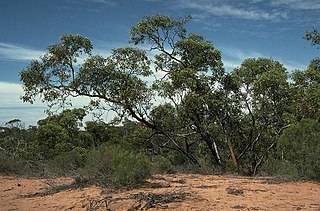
16	166
68	162
299	147
112	165
298	153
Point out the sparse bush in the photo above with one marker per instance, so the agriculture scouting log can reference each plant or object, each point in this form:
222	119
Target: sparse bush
10	165
177	159
281	170
299	149
161	164
112	165
67	162
7	164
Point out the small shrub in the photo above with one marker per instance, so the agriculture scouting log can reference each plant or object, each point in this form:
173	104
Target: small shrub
112	165
10	165
7	164
129	169
178	159
280	169
299	147
67	162
161	164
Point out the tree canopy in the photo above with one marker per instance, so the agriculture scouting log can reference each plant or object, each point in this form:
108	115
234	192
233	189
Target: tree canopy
192	106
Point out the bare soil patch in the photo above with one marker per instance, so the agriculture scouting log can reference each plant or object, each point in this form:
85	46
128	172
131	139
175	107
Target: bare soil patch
162	192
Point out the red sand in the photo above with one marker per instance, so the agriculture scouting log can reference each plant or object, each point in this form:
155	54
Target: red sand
205	192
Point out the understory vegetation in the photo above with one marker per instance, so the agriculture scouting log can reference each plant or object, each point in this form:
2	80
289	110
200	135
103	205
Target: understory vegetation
177	109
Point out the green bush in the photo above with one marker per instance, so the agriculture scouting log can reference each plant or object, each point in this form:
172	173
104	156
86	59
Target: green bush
16	166
112	165
279	169
299	149
177	159
7	164
67	162
161	164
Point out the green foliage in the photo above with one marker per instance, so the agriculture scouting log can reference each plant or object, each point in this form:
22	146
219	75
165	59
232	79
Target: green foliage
280	170
67	162
313	36
193	65
205	116
59	133
306	92
17	141
98	132
149	28
18	166
112	165
69	119
265	81
164	117
263	100
55	70
7	164
53	140
161	164
300	147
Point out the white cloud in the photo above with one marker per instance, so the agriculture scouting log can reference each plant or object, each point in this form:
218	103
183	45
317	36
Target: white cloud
7	88
203	20
298	4
102	2
232	58
228	10
239	54
10	51
107	2
230	64
291	65
11	107
13	52
152	0
257	1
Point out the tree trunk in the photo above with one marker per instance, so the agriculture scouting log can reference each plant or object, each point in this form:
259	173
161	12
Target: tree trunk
233	157
212	146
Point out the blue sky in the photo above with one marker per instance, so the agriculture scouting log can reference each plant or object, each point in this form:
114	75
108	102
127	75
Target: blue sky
239	28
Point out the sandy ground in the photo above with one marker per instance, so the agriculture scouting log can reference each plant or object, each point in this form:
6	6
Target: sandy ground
170	192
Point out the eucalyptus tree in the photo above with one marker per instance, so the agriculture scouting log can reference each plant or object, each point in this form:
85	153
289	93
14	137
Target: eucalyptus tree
306	86
265	100
191	65
59	133
13	137
192	70
192	101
